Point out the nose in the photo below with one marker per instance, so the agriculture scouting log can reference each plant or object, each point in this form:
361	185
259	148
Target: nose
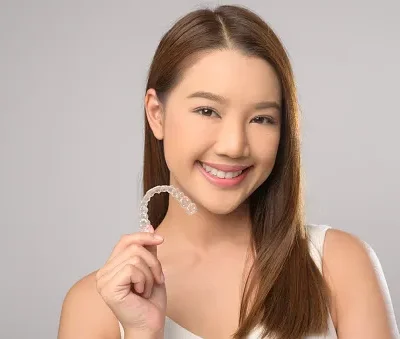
232	140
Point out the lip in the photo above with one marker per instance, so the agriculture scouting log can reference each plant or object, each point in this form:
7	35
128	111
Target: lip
223	183
225	168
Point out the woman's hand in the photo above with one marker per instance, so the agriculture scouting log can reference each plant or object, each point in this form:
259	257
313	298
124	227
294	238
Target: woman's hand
131	283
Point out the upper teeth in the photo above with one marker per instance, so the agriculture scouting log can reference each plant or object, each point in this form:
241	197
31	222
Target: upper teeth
221	174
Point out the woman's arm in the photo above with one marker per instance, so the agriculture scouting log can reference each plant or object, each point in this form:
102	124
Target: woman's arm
362	301
85	315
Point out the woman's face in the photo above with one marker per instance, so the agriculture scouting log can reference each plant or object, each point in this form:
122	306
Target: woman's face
225	113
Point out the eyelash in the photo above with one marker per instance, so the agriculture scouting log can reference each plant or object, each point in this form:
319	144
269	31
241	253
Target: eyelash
198	110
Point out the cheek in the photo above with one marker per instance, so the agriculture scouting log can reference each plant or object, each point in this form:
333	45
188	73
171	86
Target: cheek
184	139
265	147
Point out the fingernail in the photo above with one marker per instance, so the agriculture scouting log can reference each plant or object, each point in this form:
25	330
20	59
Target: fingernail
148	228
162	278
158	237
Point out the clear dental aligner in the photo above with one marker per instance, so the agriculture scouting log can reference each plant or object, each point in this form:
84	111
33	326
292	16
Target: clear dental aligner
189	207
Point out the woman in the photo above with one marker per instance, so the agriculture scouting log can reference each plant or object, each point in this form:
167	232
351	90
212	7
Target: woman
222	125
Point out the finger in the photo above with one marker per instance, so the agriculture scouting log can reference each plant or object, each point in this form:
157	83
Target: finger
135	250
139	263
139	287
119	286
140	238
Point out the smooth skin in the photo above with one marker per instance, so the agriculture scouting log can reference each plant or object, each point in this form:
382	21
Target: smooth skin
203	256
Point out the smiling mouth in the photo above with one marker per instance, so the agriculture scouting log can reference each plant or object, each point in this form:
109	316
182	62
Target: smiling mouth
222	174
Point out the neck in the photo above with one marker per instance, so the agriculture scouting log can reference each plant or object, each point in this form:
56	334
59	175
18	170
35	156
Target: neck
204	230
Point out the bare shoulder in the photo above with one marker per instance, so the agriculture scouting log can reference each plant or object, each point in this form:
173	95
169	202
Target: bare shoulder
84	314
340	245
361	297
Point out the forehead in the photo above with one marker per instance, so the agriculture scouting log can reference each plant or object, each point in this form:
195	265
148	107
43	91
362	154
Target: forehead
232	74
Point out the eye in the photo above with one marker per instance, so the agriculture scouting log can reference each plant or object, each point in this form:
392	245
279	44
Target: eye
205	111
264	120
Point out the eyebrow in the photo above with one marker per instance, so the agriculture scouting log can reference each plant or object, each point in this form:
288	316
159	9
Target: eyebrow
222	100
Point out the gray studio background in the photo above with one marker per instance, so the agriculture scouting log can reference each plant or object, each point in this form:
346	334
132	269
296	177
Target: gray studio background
72	77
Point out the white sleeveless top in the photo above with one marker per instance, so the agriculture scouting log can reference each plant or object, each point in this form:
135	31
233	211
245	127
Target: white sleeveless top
316	235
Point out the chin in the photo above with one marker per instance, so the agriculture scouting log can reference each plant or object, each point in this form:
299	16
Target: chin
221	210
216	201
219	207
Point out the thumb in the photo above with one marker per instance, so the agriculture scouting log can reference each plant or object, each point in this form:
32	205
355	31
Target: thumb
159	295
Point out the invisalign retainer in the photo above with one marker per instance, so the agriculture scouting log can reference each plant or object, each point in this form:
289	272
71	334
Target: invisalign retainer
189	207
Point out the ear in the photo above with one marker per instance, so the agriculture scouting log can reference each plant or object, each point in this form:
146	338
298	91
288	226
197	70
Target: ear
154	113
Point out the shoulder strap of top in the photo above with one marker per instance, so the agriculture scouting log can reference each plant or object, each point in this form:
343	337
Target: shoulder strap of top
316	239
121	329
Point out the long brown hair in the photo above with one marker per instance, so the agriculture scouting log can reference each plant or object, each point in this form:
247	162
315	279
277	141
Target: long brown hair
285	292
